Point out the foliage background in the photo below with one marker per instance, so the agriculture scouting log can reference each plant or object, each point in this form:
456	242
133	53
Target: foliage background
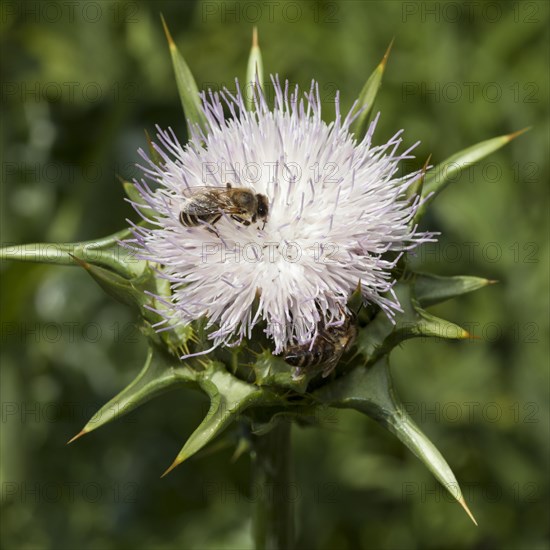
458	74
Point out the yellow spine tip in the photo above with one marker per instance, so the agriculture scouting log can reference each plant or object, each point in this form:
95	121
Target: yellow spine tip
176	462
462	503
80	262
387	54
167	32
424	170
514	135
255	43
77	436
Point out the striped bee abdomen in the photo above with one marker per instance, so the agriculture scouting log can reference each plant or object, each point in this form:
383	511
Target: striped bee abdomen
206	205
326	350
192	220
308	356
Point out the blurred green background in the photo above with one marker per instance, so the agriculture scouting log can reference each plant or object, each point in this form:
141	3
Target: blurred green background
80	82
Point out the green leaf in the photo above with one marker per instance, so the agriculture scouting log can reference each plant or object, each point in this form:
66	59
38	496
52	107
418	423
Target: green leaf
442	175
133	194
380	335
104	252
187	88
270	370
229	397
367	97
254	71
140	293
415	189
153	153
159	374
118	287
370	391
428	325
355	301
434	289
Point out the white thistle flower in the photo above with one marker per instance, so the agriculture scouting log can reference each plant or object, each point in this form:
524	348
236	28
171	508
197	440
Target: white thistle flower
338	216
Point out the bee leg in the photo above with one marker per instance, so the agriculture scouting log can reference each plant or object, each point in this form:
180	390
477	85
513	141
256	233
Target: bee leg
240	220
212	229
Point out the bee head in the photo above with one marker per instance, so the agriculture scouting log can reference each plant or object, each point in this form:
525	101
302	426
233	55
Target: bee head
263	207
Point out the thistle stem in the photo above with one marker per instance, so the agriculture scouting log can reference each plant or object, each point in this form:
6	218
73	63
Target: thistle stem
272	489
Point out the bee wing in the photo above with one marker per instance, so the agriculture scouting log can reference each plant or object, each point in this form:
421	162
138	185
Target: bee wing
205	200
203	190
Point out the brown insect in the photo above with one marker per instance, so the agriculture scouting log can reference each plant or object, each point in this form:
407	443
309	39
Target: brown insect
208	204
328	347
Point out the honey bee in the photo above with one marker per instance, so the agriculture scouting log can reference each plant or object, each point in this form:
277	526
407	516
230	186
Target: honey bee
328	346
208	204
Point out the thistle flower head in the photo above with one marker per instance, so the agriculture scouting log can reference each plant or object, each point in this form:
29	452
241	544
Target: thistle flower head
338	217
269	216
